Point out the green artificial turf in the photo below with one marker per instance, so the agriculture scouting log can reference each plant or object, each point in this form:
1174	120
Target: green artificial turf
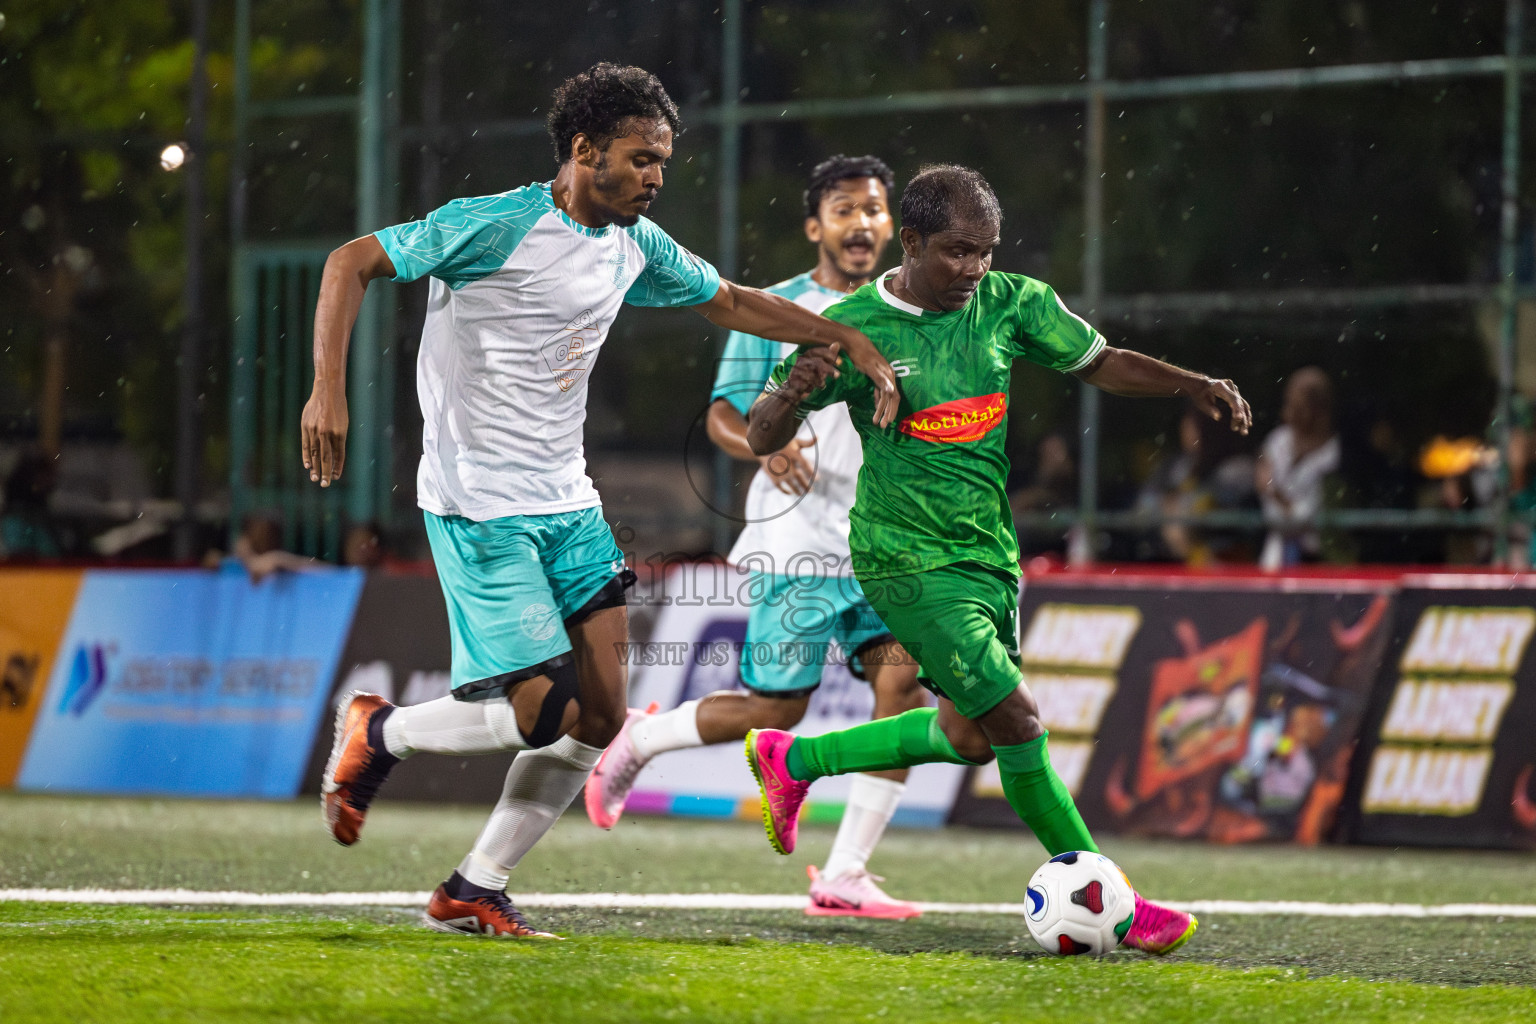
274	847
125	963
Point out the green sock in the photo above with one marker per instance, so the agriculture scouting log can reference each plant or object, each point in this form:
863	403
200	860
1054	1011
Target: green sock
900	741
1038	796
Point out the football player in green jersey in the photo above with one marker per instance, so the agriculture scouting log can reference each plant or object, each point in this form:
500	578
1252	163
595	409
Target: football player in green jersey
932	535
794	549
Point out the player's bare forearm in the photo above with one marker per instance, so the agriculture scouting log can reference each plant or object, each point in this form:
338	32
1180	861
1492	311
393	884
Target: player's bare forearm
1134	375
1131	374
787	467
323	426
753	311
728	429
347	273
771	423
765	315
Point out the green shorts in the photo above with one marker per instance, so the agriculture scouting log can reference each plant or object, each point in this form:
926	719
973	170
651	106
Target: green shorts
961	623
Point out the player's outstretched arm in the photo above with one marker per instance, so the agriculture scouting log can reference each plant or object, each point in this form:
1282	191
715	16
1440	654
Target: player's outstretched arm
753	311
771	422
1134	375
789	470
323	426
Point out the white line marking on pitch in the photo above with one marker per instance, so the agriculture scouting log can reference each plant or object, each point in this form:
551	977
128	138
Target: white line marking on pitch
721	901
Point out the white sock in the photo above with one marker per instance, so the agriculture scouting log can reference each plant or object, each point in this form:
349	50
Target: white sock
448	726
871	802
540	785
670	730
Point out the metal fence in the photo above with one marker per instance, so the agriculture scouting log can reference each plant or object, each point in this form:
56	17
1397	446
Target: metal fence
272	301
380	135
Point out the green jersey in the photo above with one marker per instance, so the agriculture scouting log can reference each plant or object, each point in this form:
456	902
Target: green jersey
931	491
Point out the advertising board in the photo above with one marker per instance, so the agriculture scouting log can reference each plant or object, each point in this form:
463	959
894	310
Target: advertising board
34	610
190	682
1446	755
1223	712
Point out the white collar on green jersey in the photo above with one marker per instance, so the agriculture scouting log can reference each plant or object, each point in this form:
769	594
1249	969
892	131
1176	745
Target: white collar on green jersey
907	307
890	297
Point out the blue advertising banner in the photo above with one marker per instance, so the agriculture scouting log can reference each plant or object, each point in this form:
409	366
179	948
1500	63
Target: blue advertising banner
190	682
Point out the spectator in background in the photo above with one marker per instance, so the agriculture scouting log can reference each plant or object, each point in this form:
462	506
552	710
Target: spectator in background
1296	458
259	549
1376	472
1522	482
1051	487
1377	467
1467	471
1053	484
1208	473
363	546
27	530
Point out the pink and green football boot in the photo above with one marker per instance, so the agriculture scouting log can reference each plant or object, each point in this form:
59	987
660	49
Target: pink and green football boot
782	794
1159	930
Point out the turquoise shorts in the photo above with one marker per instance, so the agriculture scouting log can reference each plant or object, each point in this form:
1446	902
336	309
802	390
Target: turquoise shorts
514	586
791	626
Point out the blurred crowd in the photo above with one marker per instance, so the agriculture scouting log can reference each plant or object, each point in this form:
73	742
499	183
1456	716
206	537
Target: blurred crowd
1212	497
41	525
258	549
1205	496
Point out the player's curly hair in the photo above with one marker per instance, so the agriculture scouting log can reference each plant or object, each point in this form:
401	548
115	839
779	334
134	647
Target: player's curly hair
940	193
839	168
601	102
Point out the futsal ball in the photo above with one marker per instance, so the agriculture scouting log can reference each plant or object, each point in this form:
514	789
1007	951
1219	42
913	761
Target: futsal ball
1079	903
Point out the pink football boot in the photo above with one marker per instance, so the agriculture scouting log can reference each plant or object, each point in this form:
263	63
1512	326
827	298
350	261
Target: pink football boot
1158	930
609	784
782	794
855	894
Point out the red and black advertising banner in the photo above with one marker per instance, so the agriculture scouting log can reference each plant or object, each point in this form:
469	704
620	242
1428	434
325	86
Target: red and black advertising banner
1204	708
1448	749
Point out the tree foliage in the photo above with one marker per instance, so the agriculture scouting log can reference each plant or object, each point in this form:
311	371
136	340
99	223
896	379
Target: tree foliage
1327	187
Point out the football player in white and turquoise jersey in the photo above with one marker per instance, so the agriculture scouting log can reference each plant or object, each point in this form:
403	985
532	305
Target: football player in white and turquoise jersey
795	547
524	287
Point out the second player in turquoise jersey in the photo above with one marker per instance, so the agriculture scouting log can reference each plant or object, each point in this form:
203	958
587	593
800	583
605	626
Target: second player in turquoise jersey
795	548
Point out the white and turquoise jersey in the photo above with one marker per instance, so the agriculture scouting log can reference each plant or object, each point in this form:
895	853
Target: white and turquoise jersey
521	300
786	534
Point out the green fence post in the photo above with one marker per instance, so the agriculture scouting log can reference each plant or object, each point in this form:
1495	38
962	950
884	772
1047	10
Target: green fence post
1509	226
729	212
367	403
1082	551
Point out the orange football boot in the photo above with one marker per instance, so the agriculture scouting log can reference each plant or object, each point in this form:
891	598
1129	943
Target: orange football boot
357	767
491	914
